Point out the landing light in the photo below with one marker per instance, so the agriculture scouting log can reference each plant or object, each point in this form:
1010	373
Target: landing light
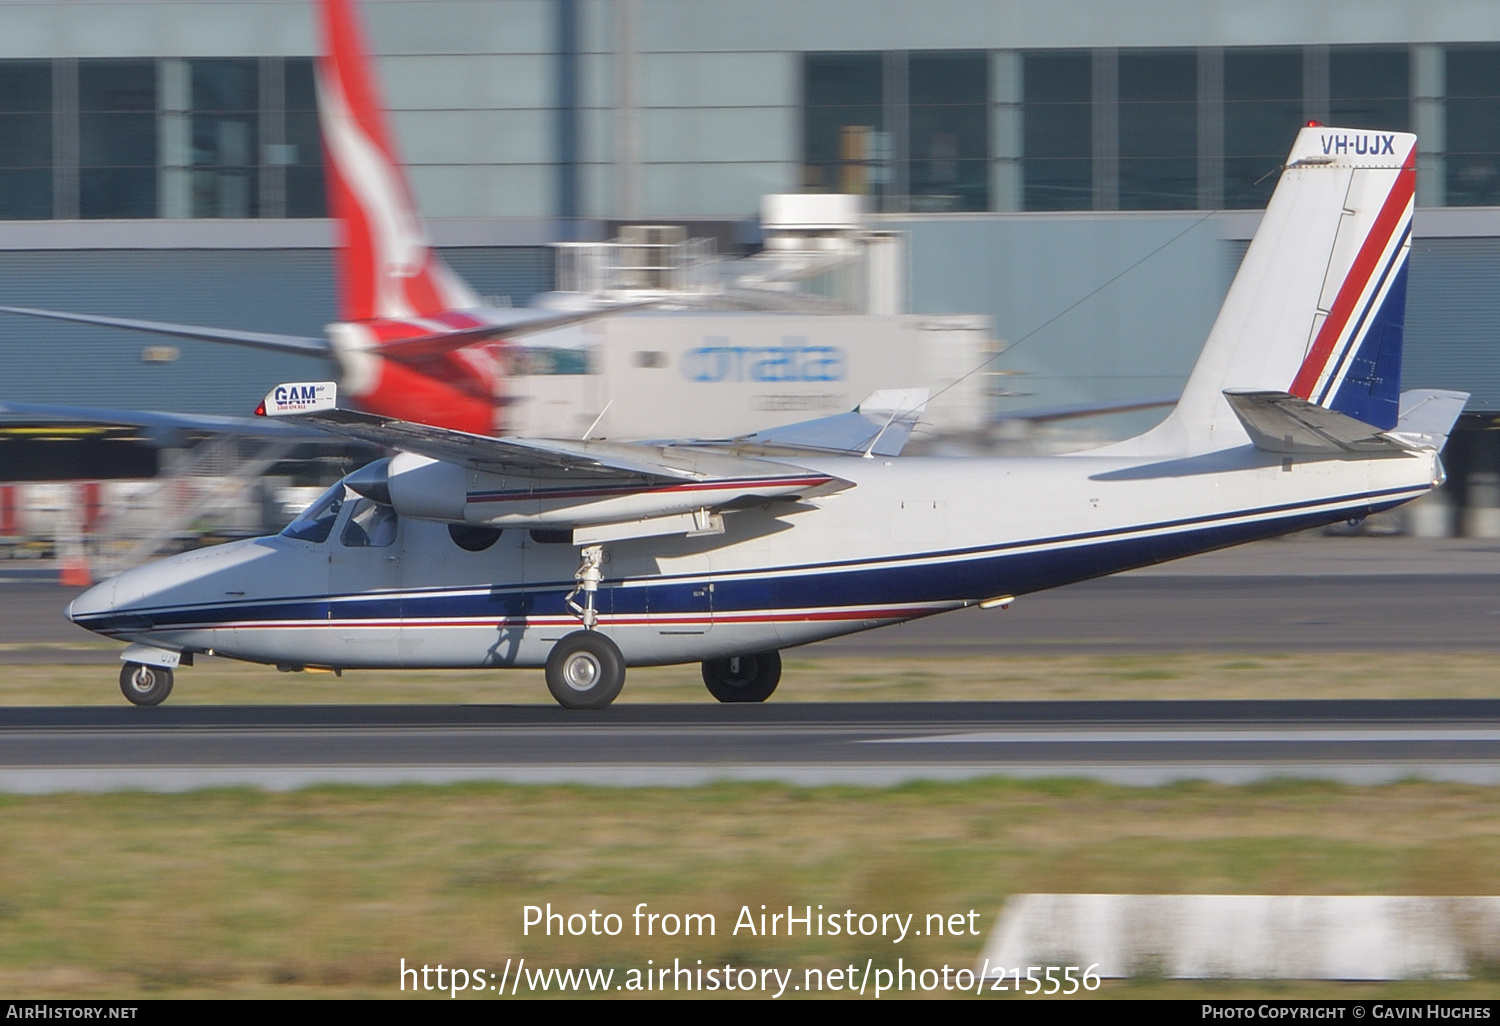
998	602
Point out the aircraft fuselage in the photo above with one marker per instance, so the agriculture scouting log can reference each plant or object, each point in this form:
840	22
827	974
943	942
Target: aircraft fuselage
913	537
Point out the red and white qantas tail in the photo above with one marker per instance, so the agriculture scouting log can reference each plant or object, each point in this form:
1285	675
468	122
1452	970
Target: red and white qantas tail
387	270
413	340
1317	307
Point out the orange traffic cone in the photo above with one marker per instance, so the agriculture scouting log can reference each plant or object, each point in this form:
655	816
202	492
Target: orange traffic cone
74	573
72	557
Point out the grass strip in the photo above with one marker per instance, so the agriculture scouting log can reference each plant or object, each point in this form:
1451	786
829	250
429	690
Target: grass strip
321	892
821	679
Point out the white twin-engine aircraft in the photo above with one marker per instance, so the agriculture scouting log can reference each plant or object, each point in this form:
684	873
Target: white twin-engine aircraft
586	557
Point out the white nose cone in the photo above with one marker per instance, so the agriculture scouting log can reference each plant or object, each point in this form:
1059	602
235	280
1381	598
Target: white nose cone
96	602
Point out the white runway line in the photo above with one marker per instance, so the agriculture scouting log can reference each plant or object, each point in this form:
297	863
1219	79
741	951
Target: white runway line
1405	735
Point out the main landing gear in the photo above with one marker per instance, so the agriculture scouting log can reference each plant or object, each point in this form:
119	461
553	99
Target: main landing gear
746	678
145	685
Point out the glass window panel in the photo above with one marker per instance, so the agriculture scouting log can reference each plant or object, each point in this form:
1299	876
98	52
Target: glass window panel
1058	124
224	140
301	91
25	194
1262	114
116	85
302	133
225	193
1158	131
304	192
25	140
117	192
1369	87
949	133
226	85
1473	107
25	86
117	140
305	195
844	144
950	77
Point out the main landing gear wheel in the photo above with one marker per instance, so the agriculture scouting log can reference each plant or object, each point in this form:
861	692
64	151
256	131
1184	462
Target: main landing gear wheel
746	678
145	685
585	670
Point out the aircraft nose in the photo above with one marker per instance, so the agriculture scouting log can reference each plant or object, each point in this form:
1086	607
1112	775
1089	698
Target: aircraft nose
97	601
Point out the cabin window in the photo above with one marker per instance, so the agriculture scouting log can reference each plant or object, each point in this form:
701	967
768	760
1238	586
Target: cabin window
471	538
370	526
315	522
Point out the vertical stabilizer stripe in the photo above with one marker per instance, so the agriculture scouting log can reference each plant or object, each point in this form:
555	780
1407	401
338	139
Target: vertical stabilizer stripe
1391	216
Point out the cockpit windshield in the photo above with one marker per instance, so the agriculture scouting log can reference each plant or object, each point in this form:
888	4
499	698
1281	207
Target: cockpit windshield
316	521
370	525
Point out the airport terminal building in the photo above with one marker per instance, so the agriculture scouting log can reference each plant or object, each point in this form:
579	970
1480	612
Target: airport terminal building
1086	173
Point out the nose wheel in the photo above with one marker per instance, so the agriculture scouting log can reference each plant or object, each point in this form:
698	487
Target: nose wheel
746	678
145	685
585	670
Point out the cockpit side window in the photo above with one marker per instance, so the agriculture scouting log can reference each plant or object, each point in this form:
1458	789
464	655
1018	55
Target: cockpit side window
370	525
316	521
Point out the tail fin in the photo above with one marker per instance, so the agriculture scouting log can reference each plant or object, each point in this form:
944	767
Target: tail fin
1318	305
386	268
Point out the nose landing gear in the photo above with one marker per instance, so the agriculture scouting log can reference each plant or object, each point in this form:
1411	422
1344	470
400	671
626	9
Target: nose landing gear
590	573
585	670
145	685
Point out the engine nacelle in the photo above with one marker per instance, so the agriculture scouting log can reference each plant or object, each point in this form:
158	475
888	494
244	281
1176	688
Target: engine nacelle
427	489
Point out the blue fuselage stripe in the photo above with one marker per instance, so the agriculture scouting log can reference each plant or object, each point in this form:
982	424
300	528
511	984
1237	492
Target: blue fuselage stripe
948	577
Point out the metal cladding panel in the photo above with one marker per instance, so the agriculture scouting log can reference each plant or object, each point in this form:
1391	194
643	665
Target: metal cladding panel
514	272
1140	335
1452	314
288	291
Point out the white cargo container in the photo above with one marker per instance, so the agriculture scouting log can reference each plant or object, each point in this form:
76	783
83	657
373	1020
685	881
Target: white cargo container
695	374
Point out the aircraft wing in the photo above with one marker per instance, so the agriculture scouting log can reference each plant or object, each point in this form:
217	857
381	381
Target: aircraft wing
164	428
301	345
501	324
550	458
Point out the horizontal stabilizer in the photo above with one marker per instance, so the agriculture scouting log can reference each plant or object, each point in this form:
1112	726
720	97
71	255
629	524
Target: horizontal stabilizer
1428	416
885	418
298	344
1282	423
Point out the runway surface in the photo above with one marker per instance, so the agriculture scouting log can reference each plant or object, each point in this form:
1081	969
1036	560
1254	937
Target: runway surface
1326	595
51	749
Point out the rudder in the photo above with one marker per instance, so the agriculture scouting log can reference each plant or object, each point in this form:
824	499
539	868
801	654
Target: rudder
387	270
1318	305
